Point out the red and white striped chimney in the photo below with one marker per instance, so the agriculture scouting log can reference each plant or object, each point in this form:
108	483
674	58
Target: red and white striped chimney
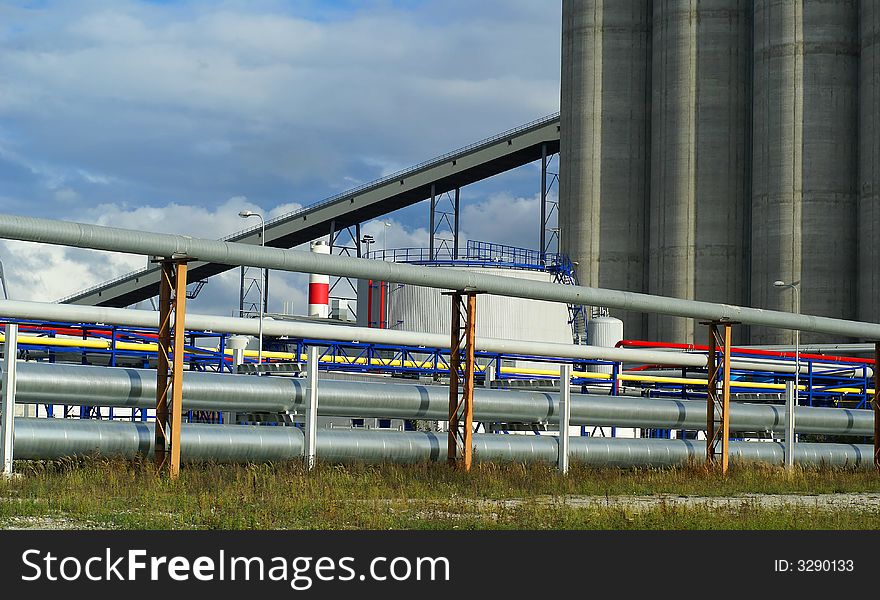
319	287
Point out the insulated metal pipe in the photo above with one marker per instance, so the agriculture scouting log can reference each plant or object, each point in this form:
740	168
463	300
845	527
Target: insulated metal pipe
114	239
15	309
43	383
39	439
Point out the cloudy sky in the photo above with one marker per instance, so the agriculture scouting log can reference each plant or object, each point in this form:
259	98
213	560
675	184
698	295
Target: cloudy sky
175	115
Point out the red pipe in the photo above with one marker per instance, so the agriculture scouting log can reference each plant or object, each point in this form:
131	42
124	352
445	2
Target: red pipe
382	321
370	304
754	351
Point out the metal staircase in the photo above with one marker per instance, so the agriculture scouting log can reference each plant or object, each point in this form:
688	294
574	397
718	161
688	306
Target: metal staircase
564	272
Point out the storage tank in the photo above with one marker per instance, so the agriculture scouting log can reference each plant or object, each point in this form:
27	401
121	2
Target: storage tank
605	332
604	141
804	159
869	167
416	308
699	126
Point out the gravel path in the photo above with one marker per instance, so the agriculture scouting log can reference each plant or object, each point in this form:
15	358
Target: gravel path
848	501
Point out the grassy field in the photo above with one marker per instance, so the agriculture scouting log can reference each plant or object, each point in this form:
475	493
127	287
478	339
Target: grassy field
96	493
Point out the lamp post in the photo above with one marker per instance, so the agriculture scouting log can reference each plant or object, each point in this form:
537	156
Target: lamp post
386	225
789	435
244	215
367	240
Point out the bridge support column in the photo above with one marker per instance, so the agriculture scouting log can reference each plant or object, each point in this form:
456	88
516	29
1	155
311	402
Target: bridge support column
549	234
444	220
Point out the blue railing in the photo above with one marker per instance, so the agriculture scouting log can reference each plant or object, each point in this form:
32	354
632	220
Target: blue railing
477	253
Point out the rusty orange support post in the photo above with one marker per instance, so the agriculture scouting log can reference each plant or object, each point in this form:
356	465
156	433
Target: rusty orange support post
160	452
467	393
454	372
460	445
176	407
718	400
169	368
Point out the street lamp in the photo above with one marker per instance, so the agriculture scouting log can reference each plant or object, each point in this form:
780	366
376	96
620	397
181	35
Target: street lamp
789	436
386	225
367	240
244	215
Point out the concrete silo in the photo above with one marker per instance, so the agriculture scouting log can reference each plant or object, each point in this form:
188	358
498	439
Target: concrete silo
869	164
603	187
699	151
803	219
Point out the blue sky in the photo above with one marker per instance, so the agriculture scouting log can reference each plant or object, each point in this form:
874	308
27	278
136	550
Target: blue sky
174	115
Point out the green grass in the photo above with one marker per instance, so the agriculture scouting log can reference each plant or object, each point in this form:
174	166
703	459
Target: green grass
129	494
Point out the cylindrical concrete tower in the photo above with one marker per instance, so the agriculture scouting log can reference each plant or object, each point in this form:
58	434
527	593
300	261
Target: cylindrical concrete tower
319	287
869	163
699	146
604	156
804	193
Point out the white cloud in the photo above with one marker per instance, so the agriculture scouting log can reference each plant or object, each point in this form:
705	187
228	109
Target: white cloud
46	273
189	101
174	117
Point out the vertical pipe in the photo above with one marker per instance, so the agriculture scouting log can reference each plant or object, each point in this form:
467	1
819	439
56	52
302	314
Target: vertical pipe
725	402
240	292
877	405
7	416
177	364
370	303
488	375
564	415
311	421
790	395
266	291
319	286
383	320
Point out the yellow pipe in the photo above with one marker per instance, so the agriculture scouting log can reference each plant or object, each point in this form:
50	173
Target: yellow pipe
101	344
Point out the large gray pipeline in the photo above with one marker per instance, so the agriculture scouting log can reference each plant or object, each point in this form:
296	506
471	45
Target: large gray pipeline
43	383
81	235
16	309
56	438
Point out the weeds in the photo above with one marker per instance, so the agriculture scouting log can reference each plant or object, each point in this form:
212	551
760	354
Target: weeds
130	494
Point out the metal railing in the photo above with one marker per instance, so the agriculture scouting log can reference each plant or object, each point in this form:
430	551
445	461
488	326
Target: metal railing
476	253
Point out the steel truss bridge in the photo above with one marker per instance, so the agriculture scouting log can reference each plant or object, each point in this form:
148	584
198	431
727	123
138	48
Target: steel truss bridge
439	180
